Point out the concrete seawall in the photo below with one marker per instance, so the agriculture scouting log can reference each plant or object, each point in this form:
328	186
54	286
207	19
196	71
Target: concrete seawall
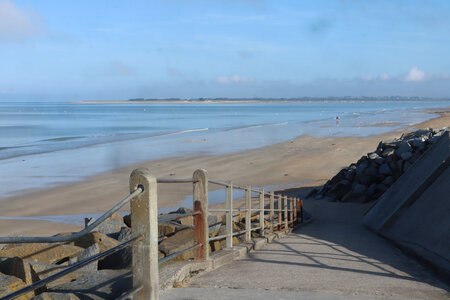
414	212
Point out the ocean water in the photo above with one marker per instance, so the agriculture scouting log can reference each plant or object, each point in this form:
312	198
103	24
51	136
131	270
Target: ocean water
48	144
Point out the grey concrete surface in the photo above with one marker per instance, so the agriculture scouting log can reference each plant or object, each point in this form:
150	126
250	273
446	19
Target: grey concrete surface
333	257
410	185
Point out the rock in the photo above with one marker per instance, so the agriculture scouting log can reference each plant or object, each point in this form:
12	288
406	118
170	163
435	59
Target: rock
359	189
88	252
419	143
21	269
9	284
385	170
360	168
167	228
217	245
403	147
379	161
388	181
187	221
44	270
110	227
366	179
46	253
180	240
373	155
124	234
104	242
371	171
388	152
127	220
406	155
56	296
182	210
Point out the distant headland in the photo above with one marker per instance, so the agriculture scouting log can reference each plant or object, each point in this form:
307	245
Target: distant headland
267	100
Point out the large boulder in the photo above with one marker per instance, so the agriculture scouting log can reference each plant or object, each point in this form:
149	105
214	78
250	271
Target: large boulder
46	253
88	252
56	296
21	269
10	284
103	241
179	241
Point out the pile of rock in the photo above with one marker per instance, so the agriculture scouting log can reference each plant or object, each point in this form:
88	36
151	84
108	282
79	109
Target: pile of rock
374	173
24	264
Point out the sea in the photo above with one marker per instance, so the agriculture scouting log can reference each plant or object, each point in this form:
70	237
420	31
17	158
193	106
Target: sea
47	144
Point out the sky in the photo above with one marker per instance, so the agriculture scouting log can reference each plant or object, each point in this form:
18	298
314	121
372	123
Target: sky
116	50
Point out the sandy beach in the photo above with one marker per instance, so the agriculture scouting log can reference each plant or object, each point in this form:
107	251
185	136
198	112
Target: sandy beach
304	160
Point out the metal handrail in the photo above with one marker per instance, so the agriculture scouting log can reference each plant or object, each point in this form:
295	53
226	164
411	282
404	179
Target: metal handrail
69	269
74	236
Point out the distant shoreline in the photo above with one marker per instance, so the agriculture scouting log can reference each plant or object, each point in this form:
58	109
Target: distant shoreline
251	101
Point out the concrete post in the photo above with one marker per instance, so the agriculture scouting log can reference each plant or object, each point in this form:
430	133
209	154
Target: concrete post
272	208
144	222
261	212
201	226
229	215
291	211
248	214
286	220
280	219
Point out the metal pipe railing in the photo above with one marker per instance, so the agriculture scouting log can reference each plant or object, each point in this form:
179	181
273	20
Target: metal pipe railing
144	226
74	236
68	270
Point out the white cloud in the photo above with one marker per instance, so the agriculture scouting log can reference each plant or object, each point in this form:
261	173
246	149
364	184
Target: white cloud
233	79
415	75
17	24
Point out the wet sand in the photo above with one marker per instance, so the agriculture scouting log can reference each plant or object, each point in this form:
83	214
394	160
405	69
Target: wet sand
302	161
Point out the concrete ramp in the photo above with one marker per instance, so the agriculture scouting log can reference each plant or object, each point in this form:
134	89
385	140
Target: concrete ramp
415	212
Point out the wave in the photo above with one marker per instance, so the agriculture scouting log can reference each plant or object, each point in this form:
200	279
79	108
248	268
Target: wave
257	126
83	142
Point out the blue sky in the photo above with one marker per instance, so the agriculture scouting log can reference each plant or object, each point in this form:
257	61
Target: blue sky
78	50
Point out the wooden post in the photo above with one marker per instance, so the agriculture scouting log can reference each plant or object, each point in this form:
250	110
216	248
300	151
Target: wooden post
201	226
229	215
286	218
144	222
248	214
272	208
261	212
280	219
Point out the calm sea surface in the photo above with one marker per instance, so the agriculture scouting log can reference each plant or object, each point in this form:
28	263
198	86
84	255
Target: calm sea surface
46	144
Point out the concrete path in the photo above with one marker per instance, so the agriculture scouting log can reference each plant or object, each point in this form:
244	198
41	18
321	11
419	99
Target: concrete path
334	257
